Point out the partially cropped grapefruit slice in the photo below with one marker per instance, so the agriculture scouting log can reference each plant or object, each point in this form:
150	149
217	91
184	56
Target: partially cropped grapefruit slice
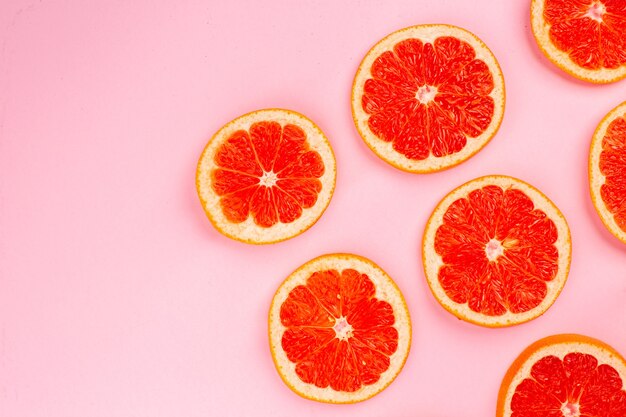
496	252
607	171
585	38
428	97
266	176
339	329
566	375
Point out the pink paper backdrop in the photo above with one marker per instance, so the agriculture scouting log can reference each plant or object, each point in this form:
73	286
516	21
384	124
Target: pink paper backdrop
118	298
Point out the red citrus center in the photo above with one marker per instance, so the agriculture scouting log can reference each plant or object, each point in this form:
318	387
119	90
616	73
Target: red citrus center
570	409
426	94
494	249
596	11
268	179
343	330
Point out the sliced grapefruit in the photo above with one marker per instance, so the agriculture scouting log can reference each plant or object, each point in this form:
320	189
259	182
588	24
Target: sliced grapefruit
339	329
585	38
496	252
566	375
607	171
428	97
266	176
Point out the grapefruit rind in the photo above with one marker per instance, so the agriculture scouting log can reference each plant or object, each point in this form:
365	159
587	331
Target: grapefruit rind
248	231
386	290
426	33
597	179
432	261
559	346
541	32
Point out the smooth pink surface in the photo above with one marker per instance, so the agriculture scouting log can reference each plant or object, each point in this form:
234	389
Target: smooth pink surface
118	298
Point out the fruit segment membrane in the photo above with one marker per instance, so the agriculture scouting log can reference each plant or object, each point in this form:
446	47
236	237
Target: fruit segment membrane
613	167
268	172
591	32
428	98
337	332
575	386
497	250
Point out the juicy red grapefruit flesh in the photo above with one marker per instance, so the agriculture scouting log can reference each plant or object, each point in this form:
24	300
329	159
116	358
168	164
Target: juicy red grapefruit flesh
456	107
613	167
558	388
358	351
515	278
592	32
268	172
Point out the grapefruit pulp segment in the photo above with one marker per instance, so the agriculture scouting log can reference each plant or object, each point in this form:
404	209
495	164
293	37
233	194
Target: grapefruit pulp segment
339	329
607	171
565	375
586	38
496	252
428	97
266	176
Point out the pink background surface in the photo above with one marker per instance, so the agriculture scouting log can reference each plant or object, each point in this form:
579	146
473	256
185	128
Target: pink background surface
118	298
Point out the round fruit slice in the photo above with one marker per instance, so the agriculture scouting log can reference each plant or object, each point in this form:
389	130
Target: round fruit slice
339	329
266	176
496	252
567	375
428	97
607	171
585	38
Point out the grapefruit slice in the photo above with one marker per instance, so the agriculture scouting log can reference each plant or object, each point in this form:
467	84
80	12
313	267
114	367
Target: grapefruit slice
428	97
339	329
585	38
607	171
266	176
566	375
496	252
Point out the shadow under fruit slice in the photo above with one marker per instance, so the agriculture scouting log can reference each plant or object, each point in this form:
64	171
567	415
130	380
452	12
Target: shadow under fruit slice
496	252
607	171
426	98
566	375
585	38
266	176
339	329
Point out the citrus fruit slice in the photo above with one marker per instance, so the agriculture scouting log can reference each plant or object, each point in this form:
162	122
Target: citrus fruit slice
566	375
428	97
496	252
607	171
585	38
339	329
266	176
